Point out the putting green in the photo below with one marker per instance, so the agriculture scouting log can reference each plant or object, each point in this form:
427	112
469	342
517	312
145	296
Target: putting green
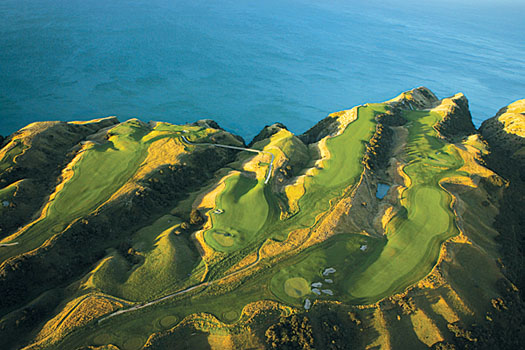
168	321
224	239
296	287
102	339
230	316
133	343
341	252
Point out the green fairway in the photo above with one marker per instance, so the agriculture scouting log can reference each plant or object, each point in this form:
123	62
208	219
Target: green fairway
341	170
245	212
413	243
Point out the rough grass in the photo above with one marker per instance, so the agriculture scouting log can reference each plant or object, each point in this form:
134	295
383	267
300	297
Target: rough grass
166	261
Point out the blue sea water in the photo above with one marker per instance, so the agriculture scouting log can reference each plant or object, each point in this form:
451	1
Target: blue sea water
248	63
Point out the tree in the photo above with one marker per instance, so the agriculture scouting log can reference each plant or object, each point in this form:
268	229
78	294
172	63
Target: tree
196	218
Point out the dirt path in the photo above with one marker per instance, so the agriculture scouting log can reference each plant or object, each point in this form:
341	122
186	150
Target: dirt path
8	244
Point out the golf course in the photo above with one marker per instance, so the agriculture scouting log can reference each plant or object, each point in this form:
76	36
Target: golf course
219	236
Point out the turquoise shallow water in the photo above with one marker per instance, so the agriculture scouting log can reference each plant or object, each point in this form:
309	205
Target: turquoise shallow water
249	63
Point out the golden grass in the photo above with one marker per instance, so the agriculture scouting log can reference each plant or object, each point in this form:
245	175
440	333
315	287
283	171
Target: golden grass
380	326
470	156
513	119
165	151
447	105
220	342
207	199
247	260
425	328
295	239
75	314
441	308
92	121
65	176
344	118
89	283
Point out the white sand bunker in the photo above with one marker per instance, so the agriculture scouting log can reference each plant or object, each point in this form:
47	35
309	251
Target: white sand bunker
307	304
328	271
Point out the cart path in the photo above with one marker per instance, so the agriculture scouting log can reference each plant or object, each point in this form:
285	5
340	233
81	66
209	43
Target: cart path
237	148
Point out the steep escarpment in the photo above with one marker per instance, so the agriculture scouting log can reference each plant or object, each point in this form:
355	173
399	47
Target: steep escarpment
505	136
456	118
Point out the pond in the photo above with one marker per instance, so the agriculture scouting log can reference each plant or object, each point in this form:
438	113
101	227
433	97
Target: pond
382	189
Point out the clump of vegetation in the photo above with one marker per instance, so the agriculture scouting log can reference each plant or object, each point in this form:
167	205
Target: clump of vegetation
378	151
290	333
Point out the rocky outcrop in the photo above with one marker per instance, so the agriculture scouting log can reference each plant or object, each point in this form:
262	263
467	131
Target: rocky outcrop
505	132
418	98
320	130
207	123
456	118
267	132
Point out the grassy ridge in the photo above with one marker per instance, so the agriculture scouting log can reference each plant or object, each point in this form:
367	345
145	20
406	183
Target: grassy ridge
101	170
341	170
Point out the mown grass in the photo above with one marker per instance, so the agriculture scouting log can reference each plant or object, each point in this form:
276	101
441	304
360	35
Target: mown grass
250	216
246	211
413	243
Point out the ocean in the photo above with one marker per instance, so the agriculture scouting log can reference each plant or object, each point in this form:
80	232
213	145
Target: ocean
250	63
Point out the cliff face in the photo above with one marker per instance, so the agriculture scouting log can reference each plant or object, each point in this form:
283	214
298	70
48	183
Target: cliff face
505	132
457	120
505	135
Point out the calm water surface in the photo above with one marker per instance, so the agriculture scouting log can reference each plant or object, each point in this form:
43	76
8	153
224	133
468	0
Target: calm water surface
249	63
